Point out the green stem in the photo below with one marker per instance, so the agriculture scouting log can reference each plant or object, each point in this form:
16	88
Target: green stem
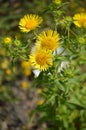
73	33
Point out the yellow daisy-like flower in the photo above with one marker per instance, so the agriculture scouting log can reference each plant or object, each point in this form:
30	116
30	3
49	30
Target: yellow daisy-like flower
80	20
41	59
7	40
29	22
49	39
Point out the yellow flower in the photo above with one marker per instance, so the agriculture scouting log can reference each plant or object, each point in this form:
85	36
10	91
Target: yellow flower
49	39
7	40
40	102
24	84
57	1
29	22
26	64
27	72
8	72
4	64
39	90
80	20
41	59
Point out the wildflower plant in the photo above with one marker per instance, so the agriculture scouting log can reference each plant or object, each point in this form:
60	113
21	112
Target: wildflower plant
58	54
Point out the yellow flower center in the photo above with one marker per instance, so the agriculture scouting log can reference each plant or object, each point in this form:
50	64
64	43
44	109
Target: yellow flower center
31	24
49	43
41	58
81	21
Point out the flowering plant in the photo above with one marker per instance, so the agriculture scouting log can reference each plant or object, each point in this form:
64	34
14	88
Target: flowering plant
58	54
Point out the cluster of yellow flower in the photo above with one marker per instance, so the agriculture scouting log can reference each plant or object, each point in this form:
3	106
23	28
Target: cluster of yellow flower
41	57
46	42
